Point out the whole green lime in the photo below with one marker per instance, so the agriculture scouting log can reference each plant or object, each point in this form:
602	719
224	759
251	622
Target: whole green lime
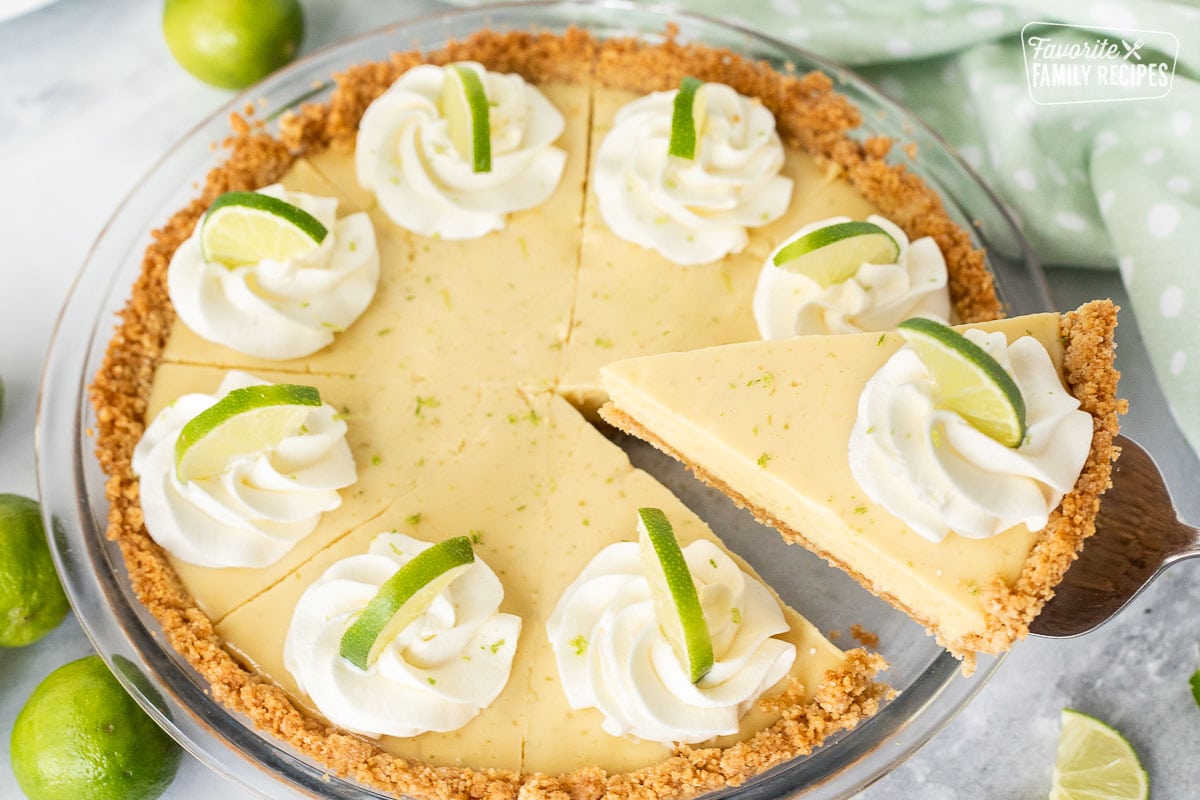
32	602
81	737
233	43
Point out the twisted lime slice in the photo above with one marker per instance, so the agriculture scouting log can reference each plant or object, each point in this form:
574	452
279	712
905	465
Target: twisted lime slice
465	107
404	597
676	602
687	119
245	421
833	253
248	227
970	382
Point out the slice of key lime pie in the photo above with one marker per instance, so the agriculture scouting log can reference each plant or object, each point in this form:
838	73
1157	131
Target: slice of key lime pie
955	476
343	417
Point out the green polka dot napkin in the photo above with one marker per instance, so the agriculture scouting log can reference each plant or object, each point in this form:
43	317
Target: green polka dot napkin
1099	184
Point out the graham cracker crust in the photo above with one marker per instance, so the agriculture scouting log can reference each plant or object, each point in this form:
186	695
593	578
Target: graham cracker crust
810	115
1090	375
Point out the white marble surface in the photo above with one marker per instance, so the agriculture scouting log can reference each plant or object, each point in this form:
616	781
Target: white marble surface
89	99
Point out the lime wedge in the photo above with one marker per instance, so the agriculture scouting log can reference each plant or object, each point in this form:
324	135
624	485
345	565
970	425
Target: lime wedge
244	421
676	602
465	107
833	253
687	119
404	597
969	380
248	227
1095	762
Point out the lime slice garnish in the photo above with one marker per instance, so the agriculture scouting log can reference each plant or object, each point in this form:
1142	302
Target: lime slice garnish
676	602
969	380
404	597
248	227
245	421
833	253
465	107
1095	762
687	119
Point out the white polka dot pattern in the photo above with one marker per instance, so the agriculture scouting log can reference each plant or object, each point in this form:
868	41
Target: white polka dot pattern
1161	220
1171	302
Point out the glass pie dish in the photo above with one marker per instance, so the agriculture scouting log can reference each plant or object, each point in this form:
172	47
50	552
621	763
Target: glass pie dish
126	635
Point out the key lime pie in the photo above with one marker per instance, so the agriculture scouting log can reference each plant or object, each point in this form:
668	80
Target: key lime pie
343	416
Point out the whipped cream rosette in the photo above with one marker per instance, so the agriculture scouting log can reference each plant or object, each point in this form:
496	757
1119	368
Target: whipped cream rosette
938	474
697	210
257	508
876	297
612	655
280	309
405	155
436	675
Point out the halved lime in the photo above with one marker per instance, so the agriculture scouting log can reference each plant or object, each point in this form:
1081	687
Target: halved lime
247	420
833	253
1095	762
248	227
404	597
969	381
676	601
687	119
465	107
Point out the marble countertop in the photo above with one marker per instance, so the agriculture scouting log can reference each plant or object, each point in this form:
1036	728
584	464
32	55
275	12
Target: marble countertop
90	98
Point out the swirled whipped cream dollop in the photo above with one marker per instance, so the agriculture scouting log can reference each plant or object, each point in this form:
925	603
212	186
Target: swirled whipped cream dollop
405	156
256	510
280	309
691	211
613	656
937	473
877	297
447	665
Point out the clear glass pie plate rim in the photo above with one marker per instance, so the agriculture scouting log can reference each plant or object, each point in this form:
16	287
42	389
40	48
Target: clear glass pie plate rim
72	484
